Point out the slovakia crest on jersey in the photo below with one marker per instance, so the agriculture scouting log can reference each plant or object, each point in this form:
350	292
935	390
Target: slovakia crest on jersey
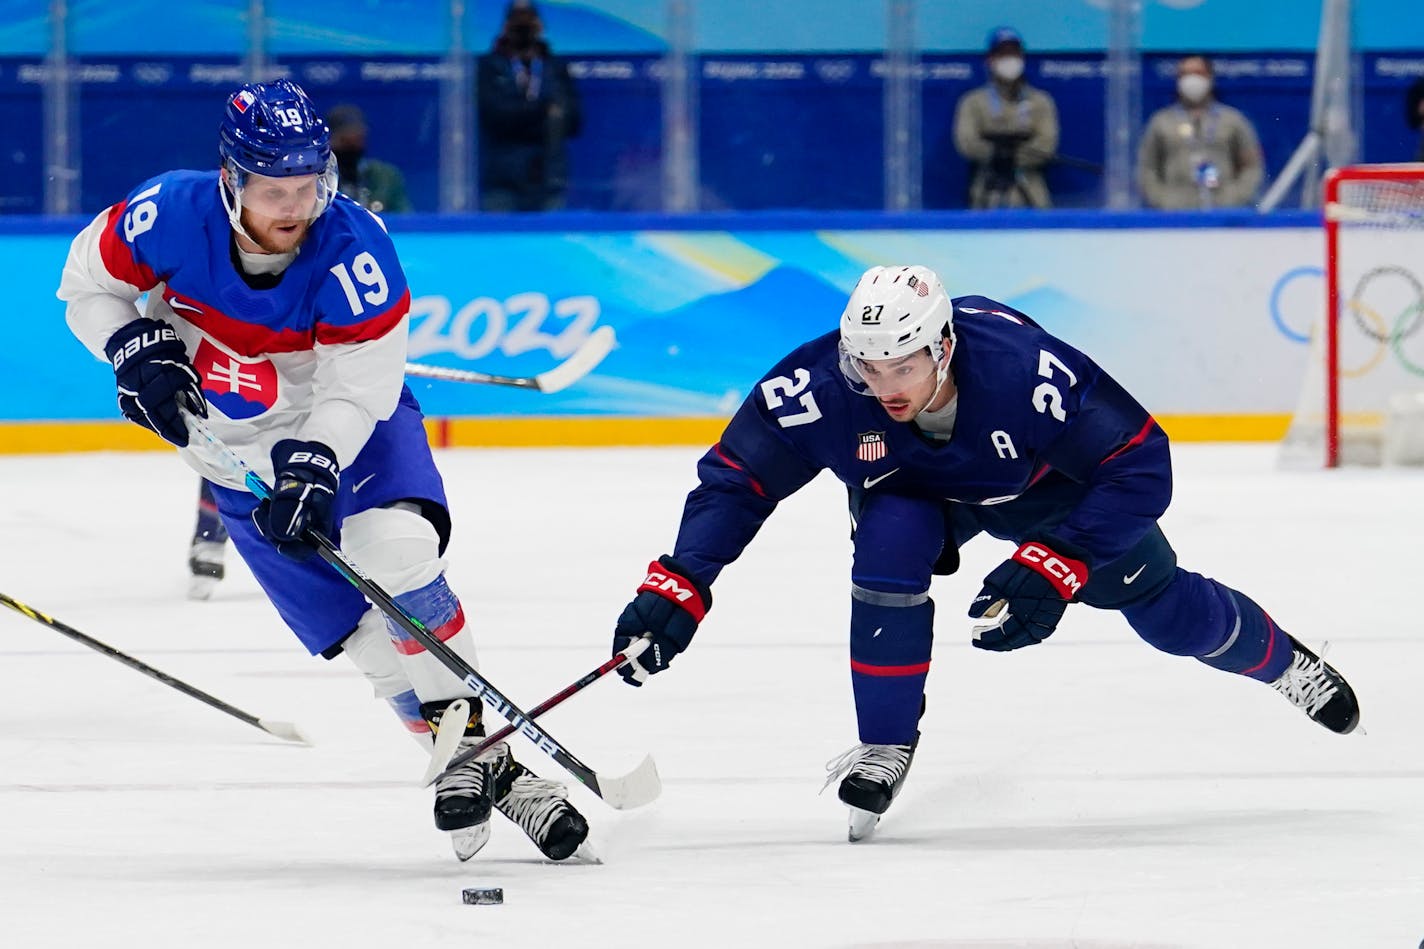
871	446
236	388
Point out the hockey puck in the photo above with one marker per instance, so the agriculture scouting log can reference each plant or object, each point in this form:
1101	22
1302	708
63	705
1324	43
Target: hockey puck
482	895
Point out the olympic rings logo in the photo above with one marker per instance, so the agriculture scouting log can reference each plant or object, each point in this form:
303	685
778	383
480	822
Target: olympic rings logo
1386	307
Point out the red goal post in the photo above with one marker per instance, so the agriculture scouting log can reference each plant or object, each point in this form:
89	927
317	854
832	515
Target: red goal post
1374	287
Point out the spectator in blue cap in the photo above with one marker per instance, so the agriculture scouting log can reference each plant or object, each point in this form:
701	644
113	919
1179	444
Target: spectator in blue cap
1007	130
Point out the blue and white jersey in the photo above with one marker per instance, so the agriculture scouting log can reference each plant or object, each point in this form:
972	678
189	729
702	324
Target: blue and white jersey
1045	444
319	354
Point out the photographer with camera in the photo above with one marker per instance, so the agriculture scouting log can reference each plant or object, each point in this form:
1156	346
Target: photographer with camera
1007	130
528	108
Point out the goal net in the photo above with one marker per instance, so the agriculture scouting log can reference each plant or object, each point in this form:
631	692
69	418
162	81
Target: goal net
1362	401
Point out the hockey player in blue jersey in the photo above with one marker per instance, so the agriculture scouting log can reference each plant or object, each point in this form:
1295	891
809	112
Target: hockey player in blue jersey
278	310
946	419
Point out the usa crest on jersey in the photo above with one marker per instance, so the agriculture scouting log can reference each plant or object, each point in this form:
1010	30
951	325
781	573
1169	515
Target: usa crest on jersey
871	446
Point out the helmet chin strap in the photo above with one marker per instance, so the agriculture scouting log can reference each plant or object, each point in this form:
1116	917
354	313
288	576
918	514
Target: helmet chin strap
232	201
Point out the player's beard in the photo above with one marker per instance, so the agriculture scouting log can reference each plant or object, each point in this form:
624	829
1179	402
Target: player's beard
275	236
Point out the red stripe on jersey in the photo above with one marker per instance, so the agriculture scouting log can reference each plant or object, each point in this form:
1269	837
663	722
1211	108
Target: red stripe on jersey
249	340
756	486
374	328
1136	440
865	668
118	256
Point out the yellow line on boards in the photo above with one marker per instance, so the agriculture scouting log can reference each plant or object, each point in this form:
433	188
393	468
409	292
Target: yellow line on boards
21	438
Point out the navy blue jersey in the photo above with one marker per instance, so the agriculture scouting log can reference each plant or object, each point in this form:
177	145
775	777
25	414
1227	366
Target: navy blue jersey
1045	445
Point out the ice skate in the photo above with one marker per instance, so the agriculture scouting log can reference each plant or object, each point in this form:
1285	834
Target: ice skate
873	776
205	568
464	798
1314	686
541	809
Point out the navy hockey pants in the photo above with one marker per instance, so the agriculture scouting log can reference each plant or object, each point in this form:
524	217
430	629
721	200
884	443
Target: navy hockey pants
900	543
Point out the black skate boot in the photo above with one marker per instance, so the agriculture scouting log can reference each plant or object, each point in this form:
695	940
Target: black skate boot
540	808
874	775
205	567
1315	686
464	798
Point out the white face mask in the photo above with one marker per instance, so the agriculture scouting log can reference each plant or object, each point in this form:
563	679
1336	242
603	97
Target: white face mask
1193	87
1008	68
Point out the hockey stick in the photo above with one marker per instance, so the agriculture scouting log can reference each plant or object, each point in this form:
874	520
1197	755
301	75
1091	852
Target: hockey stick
634	789
635	648
283	730
598	345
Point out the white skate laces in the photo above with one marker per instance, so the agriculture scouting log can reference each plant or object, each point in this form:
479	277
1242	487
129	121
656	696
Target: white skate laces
1307	683
473	777
534	804
883	764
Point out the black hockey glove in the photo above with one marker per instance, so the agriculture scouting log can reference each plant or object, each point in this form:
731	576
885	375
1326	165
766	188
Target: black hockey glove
155	378
667	609
303	496
1024	597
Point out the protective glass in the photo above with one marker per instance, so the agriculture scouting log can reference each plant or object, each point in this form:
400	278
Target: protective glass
293	198
884	377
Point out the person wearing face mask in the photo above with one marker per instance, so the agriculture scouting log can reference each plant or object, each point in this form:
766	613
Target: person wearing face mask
528	108
1198	153
376	185
1007	130
1414	113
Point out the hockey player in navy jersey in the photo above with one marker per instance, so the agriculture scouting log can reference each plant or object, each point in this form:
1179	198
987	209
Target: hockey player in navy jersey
946	419
277	309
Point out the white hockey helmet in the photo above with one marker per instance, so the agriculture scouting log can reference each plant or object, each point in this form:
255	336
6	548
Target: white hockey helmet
894	312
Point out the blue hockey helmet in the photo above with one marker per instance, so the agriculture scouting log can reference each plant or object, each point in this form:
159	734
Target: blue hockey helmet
272	129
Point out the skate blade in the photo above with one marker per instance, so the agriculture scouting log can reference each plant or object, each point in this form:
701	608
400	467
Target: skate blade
201	588
585	854
468	841
862	824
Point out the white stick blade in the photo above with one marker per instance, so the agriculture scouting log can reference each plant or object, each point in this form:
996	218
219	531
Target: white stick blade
447	742
598	345
283	730
636	788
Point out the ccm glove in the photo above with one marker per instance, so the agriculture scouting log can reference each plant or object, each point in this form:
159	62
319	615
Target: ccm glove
155	378
303	496
1024	597
667	609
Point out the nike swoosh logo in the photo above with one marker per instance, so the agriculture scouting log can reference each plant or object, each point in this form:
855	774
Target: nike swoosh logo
872	482
1135	574
178	304
357	486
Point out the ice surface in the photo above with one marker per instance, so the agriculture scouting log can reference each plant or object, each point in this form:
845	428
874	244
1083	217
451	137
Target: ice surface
1089	792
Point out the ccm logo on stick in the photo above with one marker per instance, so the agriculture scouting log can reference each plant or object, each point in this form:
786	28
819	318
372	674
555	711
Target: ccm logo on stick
1067	575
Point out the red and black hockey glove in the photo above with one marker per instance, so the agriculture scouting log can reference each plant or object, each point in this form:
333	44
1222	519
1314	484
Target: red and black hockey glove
1024	597
666	610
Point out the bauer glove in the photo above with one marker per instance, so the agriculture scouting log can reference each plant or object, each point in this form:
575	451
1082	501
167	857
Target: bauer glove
303	496
155	378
